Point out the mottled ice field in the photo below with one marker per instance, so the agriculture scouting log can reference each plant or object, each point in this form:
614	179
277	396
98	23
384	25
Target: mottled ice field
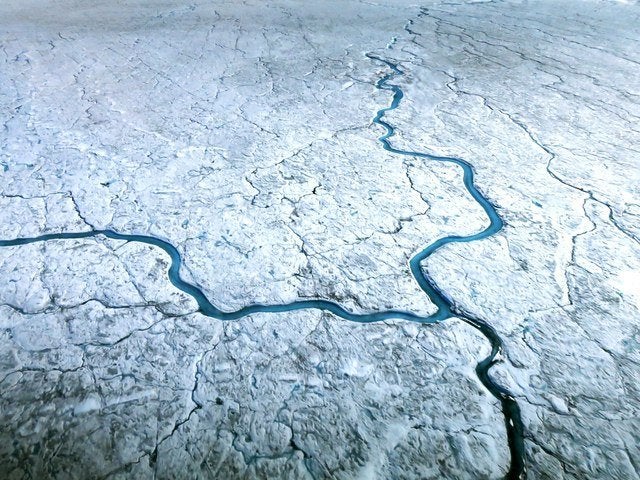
296	154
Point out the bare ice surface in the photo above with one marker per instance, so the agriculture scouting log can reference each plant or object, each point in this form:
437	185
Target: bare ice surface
241	134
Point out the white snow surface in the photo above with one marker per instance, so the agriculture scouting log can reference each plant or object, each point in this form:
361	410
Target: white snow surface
241	132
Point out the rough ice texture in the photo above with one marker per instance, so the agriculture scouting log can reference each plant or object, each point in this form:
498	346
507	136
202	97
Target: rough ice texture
242	134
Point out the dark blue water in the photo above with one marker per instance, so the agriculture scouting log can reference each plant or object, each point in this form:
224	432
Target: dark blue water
445	307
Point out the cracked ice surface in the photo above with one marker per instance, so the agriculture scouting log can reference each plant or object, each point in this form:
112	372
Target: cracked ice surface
229	130
546	107
97	388
241	133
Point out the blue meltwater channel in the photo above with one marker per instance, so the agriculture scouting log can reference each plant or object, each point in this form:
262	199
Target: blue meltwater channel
445	307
